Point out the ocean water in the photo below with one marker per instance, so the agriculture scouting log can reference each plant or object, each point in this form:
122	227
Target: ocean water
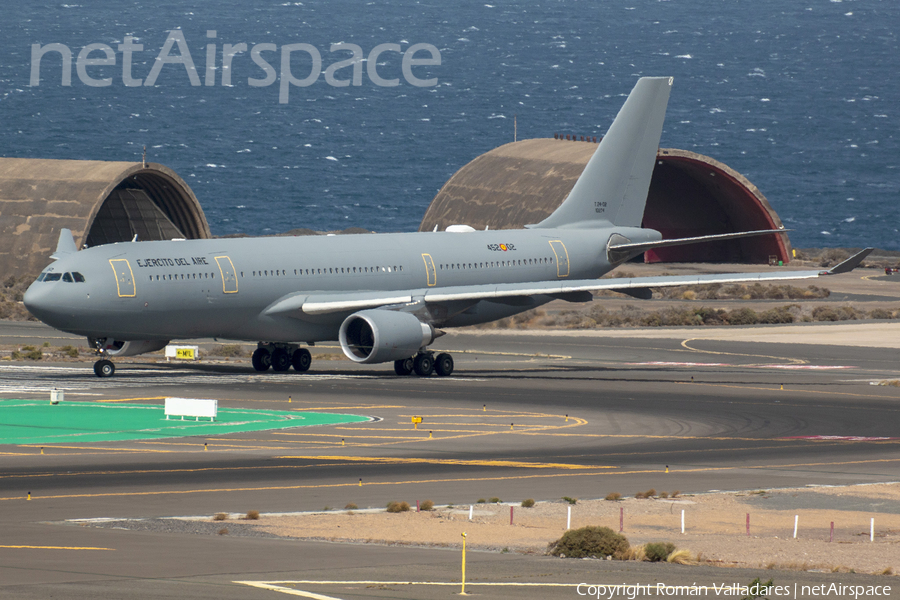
801	97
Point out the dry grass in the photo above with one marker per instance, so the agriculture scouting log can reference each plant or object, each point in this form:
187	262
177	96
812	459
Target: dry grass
252	515
427	505
682	557
351	506
220	517
613	496
397	507
528	503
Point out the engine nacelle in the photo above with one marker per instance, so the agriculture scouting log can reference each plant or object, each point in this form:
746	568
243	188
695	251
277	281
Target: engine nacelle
132	348
377	336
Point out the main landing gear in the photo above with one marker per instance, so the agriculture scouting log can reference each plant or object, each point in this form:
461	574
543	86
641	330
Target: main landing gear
424	364
281	357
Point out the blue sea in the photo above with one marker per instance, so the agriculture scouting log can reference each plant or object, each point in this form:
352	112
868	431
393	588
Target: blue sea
802	97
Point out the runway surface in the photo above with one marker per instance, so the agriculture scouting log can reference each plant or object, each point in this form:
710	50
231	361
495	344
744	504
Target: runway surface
524	416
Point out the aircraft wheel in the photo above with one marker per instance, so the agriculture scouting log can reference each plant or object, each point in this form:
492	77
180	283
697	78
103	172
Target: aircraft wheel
443	364
301	360
261	359
281	360
423	364
403	367
104	368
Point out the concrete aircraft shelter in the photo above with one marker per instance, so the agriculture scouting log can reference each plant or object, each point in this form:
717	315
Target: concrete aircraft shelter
101	202
690	195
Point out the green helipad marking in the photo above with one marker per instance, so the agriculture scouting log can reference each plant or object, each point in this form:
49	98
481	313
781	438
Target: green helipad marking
39	422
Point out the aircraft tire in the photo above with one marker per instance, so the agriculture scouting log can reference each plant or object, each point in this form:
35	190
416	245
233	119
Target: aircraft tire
104	368
423	364
443	364
261	359
301	360
281	360
403	366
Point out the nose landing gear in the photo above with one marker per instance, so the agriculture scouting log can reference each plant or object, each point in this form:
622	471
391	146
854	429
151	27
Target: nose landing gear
104	368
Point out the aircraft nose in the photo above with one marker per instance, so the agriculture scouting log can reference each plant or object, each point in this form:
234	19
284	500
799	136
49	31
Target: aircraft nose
38	299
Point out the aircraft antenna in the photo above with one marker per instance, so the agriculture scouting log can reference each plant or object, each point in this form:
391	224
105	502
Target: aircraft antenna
515	128
144	158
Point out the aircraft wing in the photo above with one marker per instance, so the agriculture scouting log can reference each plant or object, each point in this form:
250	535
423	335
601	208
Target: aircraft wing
315	304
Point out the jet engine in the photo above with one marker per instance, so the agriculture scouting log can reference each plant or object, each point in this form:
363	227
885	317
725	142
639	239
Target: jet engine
133	348
377	336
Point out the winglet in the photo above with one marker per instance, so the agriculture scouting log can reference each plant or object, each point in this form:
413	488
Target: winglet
849	264
65	245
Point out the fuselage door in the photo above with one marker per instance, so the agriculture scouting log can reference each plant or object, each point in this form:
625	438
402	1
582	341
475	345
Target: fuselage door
124	277
229	278
562	258
429	270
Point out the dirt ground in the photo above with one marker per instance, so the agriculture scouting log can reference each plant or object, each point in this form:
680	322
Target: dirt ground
715	526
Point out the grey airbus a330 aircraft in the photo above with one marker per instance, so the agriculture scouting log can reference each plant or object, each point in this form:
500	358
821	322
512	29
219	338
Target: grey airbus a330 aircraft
385	297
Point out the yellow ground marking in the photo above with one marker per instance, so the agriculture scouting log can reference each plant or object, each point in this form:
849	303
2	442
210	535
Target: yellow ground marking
793	361
132	399
96	449
448	461
56	548
448	480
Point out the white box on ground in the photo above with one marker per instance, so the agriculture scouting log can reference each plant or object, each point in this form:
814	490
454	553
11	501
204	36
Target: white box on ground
57	396
192	407
182	352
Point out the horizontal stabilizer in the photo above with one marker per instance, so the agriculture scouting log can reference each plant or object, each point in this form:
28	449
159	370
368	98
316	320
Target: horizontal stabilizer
621	252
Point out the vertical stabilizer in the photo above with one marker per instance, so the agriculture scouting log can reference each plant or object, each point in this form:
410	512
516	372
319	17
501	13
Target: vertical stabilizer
65	245
612	190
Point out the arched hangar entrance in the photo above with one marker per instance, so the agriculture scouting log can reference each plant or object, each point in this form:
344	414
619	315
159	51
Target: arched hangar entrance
101	202
690	195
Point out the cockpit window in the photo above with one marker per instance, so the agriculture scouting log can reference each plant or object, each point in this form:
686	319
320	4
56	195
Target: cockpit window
53	277
67	277
78	277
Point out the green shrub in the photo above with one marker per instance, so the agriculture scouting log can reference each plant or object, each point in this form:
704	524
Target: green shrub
658	551
69	351
528	503
570	500
481	501
597	542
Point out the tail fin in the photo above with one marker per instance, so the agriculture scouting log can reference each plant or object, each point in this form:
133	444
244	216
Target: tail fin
612	190
65	245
